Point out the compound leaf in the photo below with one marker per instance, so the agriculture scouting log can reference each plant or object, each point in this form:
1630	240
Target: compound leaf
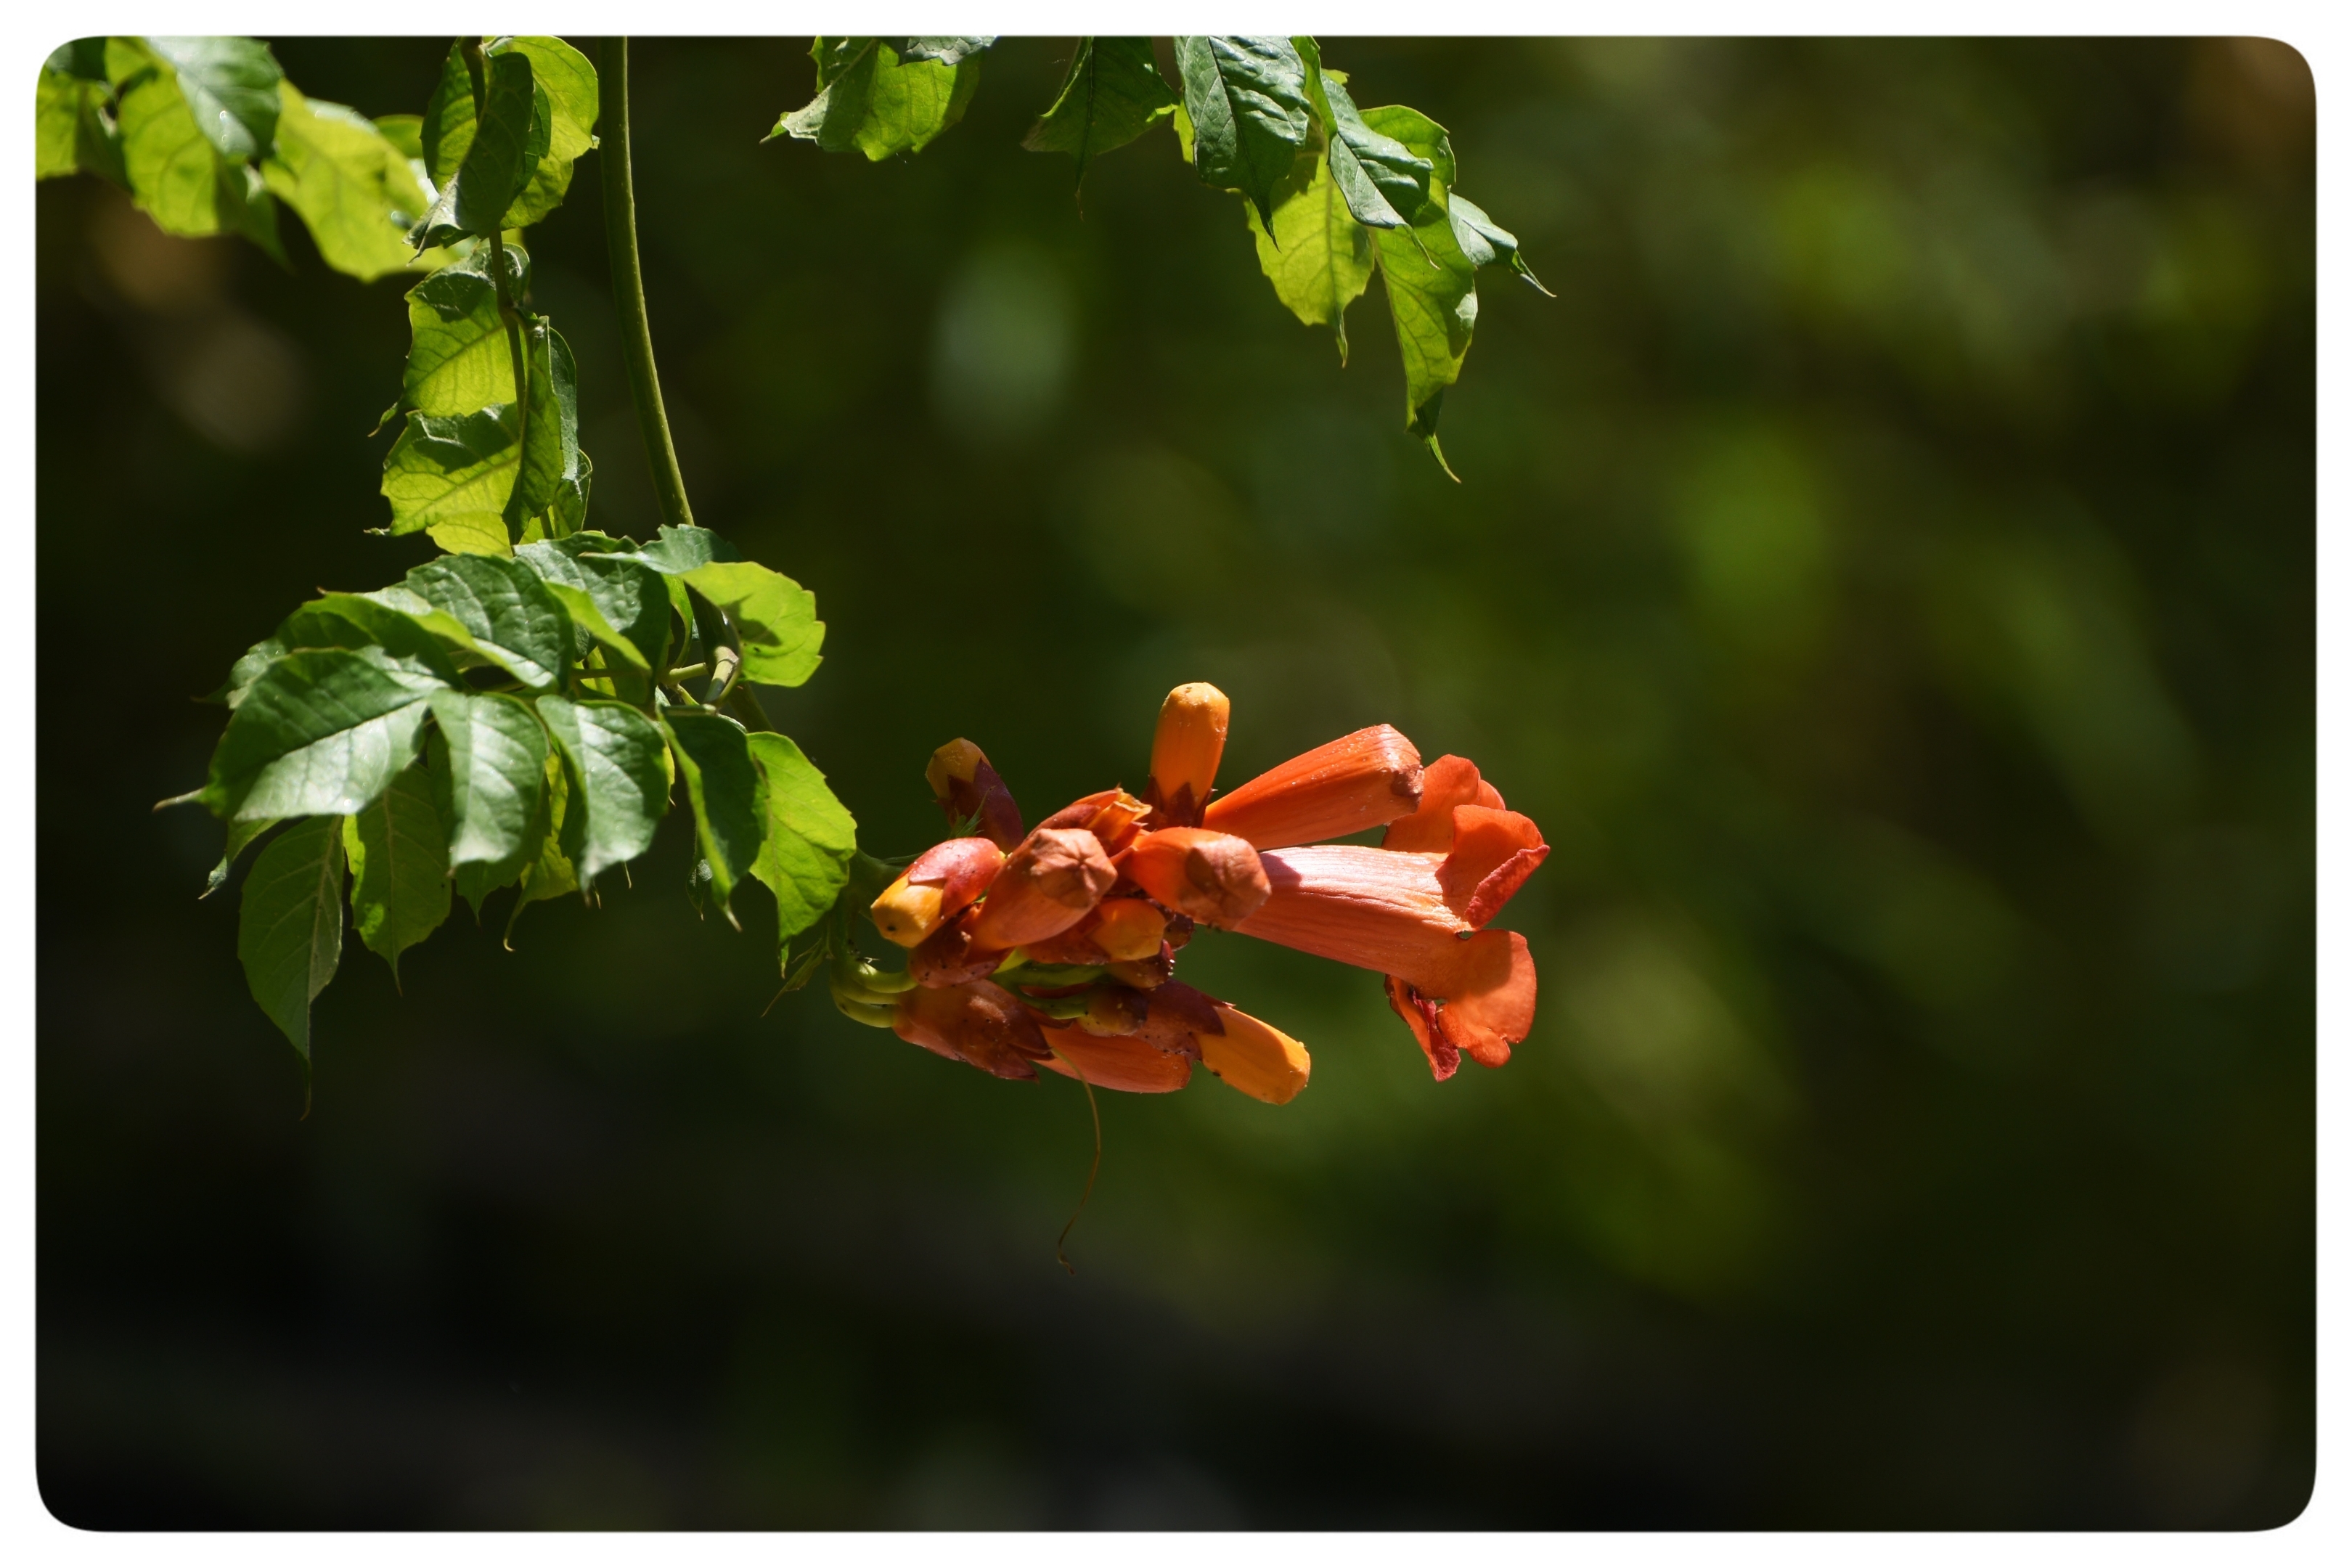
1114	93
1247	100
289	925
723	786
804	854
619	786
400	869
321	731
626	593
503	606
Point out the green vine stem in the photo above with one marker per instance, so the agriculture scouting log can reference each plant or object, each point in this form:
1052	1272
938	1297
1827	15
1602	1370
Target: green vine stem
629	284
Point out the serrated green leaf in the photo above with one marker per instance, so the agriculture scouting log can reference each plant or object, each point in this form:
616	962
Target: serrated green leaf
774	618
626	593
810	837
489	776
289	925
1247	100
356	191
1114	93
458	359
1319	257
231	88
505	610
354	620
1485	243
1433	301
400	869
240	834
1383	182
723	786
549	873
678	550
500	157
619	784
454	472
876	103
319	732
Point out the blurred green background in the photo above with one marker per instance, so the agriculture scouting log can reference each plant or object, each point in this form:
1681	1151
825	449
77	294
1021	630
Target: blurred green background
1885	571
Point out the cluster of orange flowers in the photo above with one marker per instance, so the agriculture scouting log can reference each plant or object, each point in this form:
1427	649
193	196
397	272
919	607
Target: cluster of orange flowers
1056	947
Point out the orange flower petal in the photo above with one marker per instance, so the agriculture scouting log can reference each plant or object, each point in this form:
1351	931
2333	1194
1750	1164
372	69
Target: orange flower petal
1449	782
1356	782
1476	997
1255	1057
1494	852
1376	908
1210	876
1047	886
1186	747
1116	1061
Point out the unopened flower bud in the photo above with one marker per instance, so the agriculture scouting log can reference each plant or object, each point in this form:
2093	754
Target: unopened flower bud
1047	886
967	787
1255	1057
1212	876
1110	814
1129	929
950	956
1186	749
942	880
977	1022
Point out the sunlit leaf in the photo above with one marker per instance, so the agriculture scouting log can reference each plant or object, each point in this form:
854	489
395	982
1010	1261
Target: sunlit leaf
176	173
810	835
723	786
498	159
453	470
774	617
356	191
354	620
458	359
679	550
505	608
878	105
626	593
568	83
947	51
1319	257
321	731
489	775
619	787
552	441
230	86
548	873
400	869
1114	93
1383	182
1246	99
1485	243
289	925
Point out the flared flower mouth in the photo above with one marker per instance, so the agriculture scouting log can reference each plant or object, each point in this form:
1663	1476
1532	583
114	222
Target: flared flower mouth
1057	947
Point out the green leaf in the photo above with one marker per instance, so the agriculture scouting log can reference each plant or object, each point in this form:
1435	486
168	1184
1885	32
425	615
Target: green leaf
320	733
1318	257
405	131
552	441
356	191
723	786
1114	93
240	834
230	86
82	57
626	593
176	175
568	83
505	609
354	620
458	361
1423	137
868	100
489	776
805	852
1485	242
548	873
500	157
247	209
1246	99
447	130
400	869
947	51
73	130
774	617
679	550
454	472
619	784
57	123
1433	301
1383	181
290	926
247	671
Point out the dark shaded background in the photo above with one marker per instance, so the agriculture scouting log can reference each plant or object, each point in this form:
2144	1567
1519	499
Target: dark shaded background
1885	571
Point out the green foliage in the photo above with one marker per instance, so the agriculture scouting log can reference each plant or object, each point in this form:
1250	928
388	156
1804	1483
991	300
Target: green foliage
871	98
617	782
1113	94
354	189
290	929
1247	100
805	850
400	869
